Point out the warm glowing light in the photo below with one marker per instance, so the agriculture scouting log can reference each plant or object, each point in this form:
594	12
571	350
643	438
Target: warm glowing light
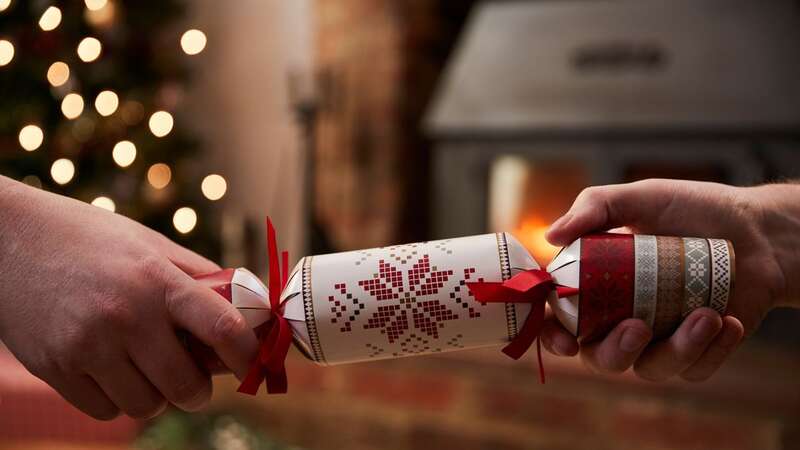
58	73
161	123
50	19
72	106
6	52
105	203
94	5
101	18
4	4
124	153
193	42
89	49
159	175
31	137
184	220
106	103
530	233
32	180
214	187
62	171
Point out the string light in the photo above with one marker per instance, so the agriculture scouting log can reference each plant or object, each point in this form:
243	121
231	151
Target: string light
89	49
58	74
62	171
4	4
106	103
32	180
105	203
184	220
214	187
124	153
161	123
159	175
6	52
50	19
193	42
72	106
31	137
94	5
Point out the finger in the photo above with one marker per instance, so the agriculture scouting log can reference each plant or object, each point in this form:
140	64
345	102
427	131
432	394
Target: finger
128	389
172	370
604	207
211	319
558	340
619	349
83	393
682	349
723	345
185	259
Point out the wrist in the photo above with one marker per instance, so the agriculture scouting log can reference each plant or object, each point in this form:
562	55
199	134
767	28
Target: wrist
778	222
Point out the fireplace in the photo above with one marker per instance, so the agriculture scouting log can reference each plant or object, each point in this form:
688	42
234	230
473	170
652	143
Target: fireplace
541	99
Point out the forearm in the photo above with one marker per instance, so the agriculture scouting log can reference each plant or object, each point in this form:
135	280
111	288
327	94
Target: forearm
780	223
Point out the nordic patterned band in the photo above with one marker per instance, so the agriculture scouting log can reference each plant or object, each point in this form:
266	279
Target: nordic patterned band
308	306
505	272
697	286
646	278
670	285
720	273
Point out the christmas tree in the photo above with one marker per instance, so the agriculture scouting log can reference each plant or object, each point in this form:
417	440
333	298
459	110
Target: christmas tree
88	98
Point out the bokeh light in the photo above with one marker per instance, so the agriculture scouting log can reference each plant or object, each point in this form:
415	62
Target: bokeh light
94	5
89	49
159	175
58	74
193	42
6	52
32	180
62	171
72	106
50	19
31	137
124	153
105	203
4	4
161	123
214	187
106	103
184	220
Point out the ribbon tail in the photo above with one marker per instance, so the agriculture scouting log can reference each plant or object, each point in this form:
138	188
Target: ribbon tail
528	334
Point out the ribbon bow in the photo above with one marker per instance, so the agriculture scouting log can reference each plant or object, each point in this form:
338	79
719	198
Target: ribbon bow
531	286
275	341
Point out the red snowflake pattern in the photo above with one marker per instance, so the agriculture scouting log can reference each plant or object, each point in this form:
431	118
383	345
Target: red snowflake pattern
413	308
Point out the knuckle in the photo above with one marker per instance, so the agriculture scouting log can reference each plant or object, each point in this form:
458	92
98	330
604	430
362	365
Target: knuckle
150	267
117	313
228	327
591	194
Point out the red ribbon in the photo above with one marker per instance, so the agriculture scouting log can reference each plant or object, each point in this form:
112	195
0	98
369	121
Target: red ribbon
531	286
275	341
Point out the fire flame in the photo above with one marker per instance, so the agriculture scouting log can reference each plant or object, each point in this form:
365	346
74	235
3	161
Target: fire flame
530	233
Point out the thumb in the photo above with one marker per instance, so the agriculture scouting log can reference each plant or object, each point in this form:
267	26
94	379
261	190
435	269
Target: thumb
188	261
602	207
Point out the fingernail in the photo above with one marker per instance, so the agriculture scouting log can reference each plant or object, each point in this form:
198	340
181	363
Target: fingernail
632	340
702	331
561	222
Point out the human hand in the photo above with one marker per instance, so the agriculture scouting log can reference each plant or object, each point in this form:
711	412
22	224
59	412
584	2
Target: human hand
678	208
92	301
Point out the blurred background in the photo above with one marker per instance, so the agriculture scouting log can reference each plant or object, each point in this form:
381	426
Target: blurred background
360	123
